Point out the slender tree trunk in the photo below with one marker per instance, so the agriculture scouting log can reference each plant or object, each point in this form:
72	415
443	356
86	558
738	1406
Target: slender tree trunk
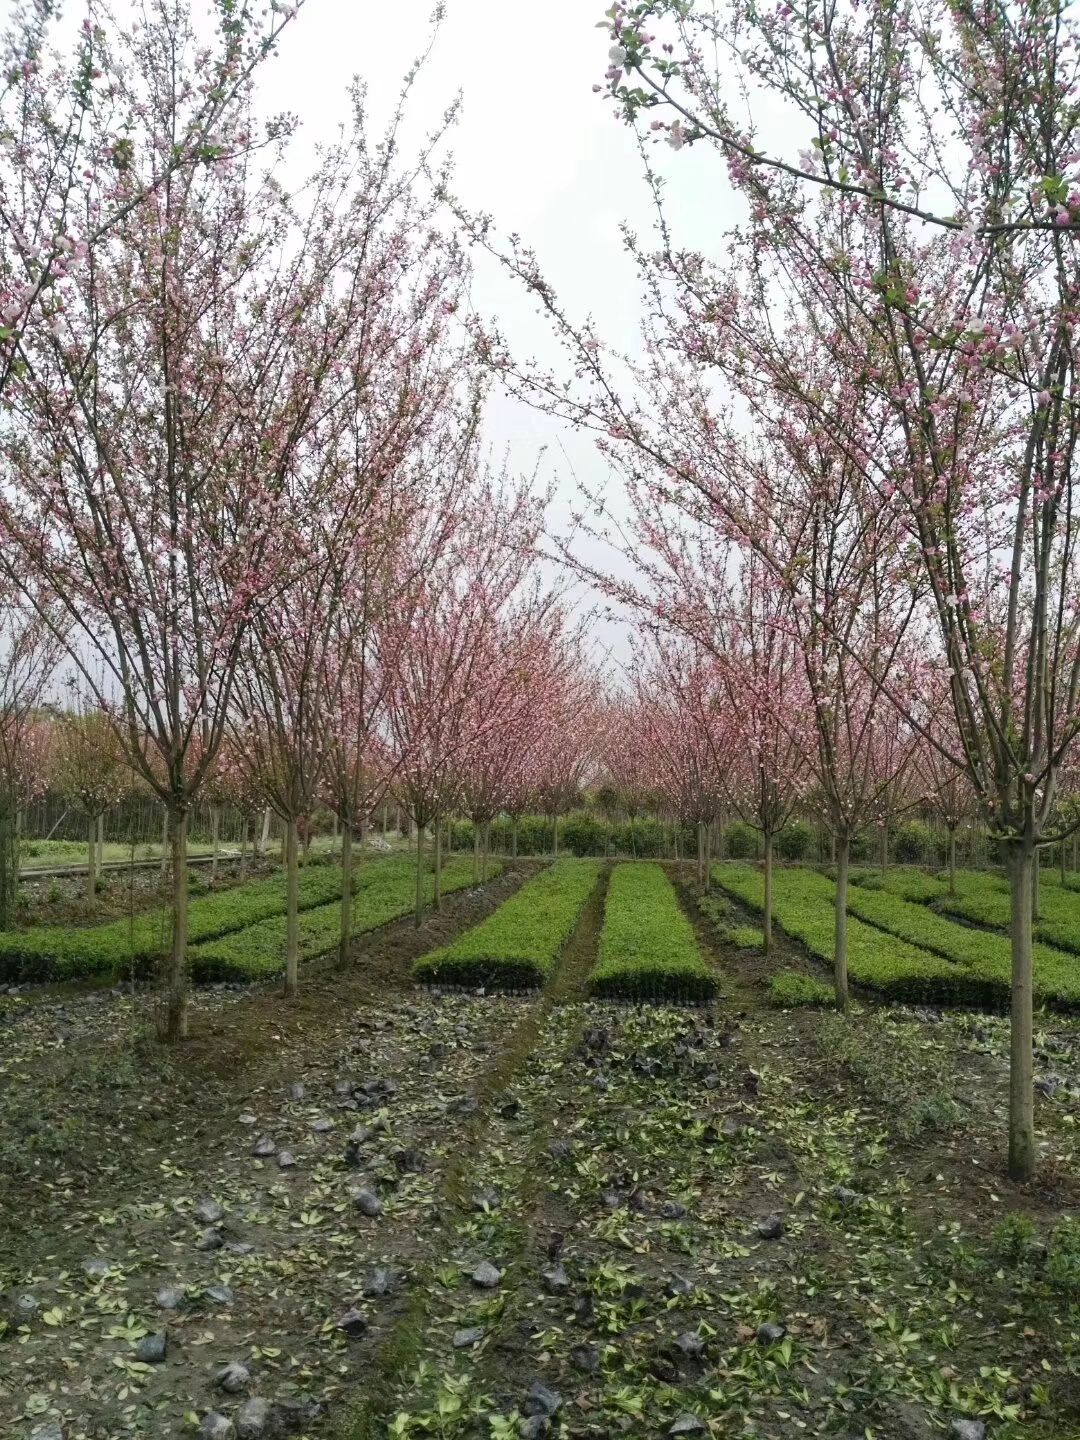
475	853
487	848
100	841
885	849
514	838
832	847
419	875
1061	857
292	909
1020	861
215	834
1035	868
701	854
437	887
264	834
1076	842
952	862
346	892
244	824
708	857
176	981
840	975
165	844
449	835
91	863
555	836
767	912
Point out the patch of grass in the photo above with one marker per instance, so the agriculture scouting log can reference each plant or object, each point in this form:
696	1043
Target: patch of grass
58	952
1012	1238
743	937
648	950
517	947
790	988
385	891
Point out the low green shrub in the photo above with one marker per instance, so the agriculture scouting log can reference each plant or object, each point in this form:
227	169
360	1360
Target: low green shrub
1012	1238
517	947
790	988
743	937
584	834
62	953
742	841
1063	1261
795	842
647	948
385	891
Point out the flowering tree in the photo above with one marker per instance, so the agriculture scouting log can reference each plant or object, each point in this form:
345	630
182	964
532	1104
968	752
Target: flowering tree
156	426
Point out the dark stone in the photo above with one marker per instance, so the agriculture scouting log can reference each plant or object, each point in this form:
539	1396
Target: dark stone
367	1203
352	1324
535	1427
246	1118
771	1228
771	1333
466	1339
486	1276
711	1081
26	1307
672	1210
239	1247
846	1197
151	1348
169	1297
210	1239
344	1088
679	1285
286	1160
264	1147
687	1424
689	1344
220	1294
296	1091
379	1282
484	1199
233	1377
611	1200
217	1427
560	1149
209	1211
585	1357
554	1279
510	1109
540	1400
379	1089
963	1429
731	1129
409	1162
750	1080
292	1414
322	1126
253	1418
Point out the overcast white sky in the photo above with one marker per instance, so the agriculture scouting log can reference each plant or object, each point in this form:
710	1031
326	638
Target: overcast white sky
534	147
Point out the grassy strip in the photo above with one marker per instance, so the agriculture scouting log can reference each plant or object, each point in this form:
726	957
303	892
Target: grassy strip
803	906
516	948
648	950
62	953
789	989
386	890
1059	912
984	955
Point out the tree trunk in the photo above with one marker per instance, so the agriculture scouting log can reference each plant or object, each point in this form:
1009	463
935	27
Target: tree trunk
832	847
1020	861
264	836
555	836
437	886
701	854
419	875
215	833
176	981
475	853
1035	866
346	892
840	976
514	838
884	849
91	862
165	845
243	848
487	849
292	910
952	861
1076	842
100	841
1061	857
766	917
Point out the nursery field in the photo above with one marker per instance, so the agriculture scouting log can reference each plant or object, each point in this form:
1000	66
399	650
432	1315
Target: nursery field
393	1209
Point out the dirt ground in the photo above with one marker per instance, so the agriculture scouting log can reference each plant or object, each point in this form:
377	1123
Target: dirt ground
490	1216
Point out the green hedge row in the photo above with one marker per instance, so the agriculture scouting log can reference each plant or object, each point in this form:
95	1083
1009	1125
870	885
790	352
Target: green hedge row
1057	976
803	906
516	948
648	950
903	950
386	890
60	953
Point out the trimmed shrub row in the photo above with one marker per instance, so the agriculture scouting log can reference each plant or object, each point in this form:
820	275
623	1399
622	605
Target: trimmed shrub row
386	891
901	949
1057	981
62	953
648	950
1059	911
516	948
803	906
